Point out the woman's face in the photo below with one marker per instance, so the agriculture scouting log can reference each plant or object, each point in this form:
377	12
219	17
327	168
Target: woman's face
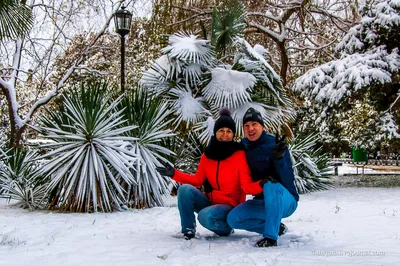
224	134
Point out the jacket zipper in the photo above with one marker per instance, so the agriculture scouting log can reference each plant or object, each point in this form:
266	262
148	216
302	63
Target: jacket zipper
217	175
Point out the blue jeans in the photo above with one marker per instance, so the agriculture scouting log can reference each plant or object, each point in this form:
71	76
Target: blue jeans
264	216
212	217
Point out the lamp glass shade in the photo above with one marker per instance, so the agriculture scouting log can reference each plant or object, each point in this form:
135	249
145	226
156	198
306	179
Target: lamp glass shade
123	20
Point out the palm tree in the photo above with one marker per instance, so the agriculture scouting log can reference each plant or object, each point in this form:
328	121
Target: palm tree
16	19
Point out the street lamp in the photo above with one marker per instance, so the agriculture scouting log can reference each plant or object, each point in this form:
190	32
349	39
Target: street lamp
123	20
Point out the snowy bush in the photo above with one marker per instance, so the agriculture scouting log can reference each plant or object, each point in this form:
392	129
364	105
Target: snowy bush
19	180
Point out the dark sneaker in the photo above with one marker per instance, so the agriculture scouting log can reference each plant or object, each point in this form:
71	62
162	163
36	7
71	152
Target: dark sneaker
266	242
282	229
188	235
226	234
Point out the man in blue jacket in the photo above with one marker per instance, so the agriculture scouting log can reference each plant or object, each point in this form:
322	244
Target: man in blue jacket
269	161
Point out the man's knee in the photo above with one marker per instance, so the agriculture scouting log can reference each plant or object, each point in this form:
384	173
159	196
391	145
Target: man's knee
272	191
232	219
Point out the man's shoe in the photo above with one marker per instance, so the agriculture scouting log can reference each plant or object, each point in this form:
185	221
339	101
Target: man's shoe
282	229
228	234
266	242
188	235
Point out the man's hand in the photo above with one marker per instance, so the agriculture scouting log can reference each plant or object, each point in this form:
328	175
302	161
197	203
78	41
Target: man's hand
280	147
265	180
168	170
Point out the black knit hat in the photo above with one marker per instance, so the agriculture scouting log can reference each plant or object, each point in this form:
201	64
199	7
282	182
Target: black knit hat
225	120
253	115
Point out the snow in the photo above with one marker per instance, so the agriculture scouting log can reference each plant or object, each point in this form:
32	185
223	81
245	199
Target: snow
342	226
186	108
332	81
180	45
229	88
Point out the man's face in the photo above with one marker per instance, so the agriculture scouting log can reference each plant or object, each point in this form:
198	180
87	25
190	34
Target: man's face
253	130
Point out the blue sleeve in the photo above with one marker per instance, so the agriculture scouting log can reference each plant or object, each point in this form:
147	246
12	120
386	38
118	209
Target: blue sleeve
284	168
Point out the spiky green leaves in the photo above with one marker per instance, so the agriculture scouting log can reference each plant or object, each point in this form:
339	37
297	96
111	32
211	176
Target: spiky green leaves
19	180
311	166
16	19
227	24
151	117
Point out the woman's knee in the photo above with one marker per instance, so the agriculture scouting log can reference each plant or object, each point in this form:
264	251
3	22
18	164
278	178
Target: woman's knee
205	218
185	191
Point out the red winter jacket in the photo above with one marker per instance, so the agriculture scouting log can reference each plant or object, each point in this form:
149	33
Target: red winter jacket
229	178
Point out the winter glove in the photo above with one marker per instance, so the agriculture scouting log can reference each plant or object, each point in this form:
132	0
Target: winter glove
280	147
265	180
168	170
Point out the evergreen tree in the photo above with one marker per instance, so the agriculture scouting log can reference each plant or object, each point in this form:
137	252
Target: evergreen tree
366	76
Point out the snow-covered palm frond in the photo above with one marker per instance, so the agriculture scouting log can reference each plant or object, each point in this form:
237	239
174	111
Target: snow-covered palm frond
206	129
228	88
189	49
254	55
155	79
310	166
267	79
18	179
151	117
88	161
192	74
185	107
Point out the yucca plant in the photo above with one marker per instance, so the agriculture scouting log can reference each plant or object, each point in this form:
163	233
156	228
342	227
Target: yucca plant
90	160
311	167
151	117
19	181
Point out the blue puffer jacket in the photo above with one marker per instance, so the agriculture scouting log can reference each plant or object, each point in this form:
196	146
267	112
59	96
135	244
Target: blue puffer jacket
261	165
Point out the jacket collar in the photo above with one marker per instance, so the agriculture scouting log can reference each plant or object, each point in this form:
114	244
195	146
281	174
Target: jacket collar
249	144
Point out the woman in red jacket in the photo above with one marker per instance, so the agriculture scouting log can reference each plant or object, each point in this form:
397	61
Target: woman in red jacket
223	165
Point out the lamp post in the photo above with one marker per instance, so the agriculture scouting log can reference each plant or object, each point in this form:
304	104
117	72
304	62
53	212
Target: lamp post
123	20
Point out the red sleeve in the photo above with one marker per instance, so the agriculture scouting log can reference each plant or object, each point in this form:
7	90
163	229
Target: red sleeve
248	186
195	180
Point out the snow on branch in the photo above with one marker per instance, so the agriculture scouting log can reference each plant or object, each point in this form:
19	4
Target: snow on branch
332	81
381	20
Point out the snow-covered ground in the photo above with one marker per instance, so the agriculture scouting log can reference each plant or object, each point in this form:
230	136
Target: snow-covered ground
343	226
